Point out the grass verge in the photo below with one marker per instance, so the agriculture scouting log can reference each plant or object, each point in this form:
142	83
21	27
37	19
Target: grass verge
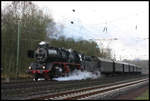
144	96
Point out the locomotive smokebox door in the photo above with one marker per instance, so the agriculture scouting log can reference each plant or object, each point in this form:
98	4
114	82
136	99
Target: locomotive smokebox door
30	53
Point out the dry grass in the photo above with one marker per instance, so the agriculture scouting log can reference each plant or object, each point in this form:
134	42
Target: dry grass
12	75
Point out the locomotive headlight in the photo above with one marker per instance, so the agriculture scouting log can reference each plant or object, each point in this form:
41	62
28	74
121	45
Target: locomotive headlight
29	67
43	67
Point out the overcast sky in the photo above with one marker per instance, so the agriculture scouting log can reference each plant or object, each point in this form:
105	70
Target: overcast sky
127	21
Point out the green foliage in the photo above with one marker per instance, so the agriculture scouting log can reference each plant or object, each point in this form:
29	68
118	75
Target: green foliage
34	27
144	96
89	48
32	24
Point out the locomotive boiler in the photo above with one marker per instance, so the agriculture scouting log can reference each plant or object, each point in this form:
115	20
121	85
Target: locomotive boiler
51	62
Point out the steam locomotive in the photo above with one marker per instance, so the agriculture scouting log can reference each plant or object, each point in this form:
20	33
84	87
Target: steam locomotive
51	62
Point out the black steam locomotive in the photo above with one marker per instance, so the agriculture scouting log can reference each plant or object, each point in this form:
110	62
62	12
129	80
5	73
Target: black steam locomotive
54	62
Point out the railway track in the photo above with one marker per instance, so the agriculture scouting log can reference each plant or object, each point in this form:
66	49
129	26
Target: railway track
23	90
91	92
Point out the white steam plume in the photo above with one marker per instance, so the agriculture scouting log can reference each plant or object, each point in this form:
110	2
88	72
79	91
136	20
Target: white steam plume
79	75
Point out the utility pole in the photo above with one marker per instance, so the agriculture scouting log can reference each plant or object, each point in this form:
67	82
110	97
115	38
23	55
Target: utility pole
18	41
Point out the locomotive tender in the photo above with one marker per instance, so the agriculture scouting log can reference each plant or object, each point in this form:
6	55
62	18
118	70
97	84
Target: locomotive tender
54	62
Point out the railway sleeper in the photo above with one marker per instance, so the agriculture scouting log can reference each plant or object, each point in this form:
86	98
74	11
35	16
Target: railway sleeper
113	93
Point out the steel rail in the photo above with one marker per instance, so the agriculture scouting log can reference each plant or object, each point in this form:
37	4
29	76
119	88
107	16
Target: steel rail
90	91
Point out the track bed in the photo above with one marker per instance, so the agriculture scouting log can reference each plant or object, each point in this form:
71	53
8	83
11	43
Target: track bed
22	90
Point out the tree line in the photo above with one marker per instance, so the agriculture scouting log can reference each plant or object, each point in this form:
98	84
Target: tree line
32	24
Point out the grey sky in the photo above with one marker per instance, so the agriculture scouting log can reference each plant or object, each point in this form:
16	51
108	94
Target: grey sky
128	21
